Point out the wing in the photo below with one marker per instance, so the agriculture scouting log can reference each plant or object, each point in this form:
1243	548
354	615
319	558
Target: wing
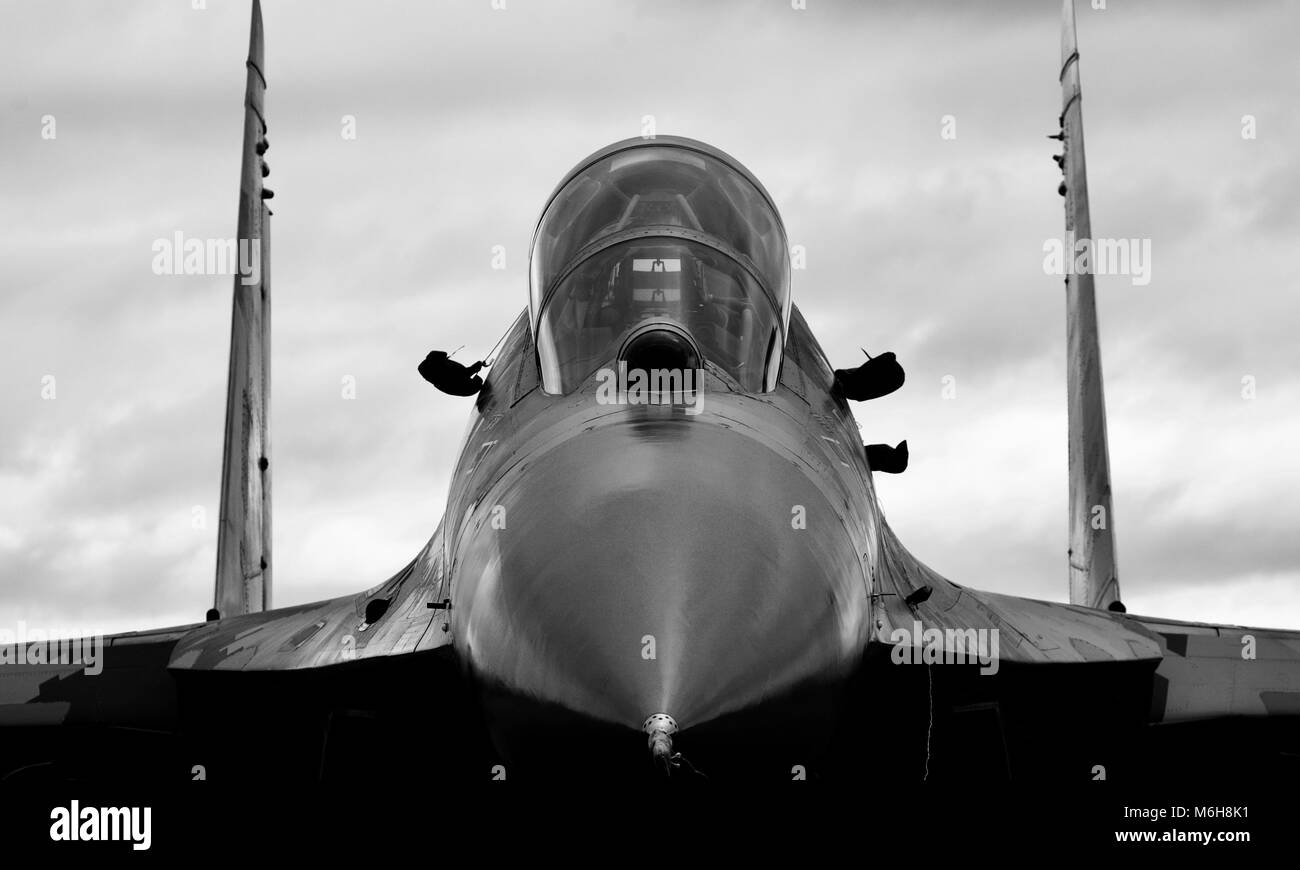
1057	690
1210	671
393	618
300	692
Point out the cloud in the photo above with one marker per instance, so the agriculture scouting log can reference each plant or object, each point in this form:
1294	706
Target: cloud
467	117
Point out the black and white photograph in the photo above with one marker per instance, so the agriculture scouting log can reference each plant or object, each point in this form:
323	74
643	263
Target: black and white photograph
588	398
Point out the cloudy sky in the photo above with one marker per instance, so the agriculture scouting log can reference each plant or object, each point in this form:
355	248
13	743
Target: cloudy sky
466	116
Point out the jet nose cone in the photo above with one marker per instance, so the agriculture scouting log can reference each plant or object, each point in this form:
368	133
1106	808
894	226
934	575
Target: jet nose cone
661	567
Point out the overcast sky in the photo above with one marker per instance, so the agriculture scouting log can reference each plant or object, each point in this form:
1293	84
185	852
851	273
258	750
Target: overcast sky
466	117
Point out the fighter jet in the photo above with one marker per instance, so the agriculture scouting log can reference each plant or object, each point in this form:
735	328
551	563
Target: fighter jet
662	556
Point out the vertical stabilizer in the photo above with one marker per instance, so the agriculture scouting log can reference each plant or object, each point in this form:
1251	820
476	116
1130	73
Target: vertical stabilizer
243	582
1093	576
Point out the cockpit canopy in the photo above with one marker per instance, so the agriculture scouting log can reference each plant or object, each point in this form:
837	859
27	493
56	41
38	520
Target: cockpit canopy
665	231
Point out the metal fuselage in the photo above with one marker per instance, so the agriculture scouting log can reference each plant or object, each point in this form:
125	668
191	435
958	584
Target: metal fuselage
609	562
